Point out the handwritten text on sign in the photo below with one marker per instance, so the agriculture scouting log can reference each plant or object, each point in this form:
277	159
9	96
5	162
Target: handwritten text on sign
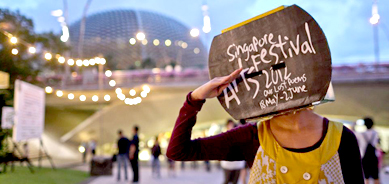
279	82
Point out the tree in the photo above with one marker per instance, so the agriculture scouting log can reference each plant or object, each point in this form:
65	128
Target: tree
25	65
148	63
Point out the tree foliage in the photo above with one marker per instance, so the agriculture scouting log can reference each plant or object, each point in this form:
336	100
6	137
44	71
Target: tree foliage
24	66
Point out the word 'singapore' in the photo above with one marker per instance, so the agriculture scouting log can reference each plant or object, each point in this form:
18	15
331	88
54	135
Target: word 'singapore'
279	83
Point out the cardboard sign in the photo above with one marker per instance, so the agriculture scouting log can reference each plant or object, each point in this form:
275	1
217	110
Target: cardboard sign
4	80
29	111
286	64
7	117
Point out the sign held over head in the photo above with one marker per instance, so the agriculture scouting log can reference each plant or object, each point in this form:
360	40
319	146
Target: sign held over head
286	63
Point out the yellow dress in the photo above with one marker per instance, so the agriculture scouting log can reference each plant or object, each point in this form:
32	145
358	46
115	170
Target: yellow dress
275	164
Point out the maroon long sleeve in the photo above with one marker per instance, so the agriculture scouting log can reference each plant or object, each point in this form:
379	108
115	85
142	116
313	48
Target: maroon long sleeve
240	143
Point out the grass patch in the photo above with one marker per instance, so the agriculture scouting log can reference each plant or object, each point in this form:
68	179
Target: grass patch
23	175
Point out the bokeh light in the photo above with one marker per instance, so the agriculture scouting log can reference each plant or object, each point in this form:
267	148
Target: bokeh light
82	98
59	93
48	89
95	98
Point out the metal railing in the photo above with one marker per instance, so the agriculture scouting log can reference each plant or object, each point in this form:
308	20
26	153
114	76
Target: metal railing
130	78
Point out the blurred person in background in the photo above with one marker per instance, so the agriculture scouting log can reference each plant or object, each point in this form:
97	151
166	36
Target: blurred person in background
207	166
231	168
85	146
182	165
134	154
171	172
370	153
171	168
122	156
92	147
155	165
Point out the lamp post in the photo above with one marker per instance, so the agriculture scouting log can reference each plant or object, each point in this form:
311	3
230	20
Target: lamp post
62	17
101	75
374	20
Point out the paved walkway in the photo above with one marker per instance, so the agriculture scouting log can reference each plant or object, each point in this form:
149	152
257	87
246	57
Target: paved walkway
187	176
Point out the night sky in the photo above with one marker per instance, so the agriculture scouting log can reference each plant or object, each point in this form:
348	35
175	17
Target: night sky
345	22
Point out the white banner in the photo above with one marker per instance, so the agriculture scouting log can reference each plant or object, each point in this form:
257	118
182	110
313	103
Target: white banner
29	111
7	117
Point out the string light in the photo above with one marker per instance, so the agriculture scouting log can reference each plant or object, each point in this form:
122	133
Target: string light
92	62
169	68
48	89
184	45
196	50
79	62
15	51
103	61
107	98
48	56
112	83
146	88
177	68
97	60
144	42
132	41
156	42
82	98
59	93
118	91
168	42
61	60
121	96
14	40
70	62
140	36
143	94
108	73
138	100
132	92
32	50
95	98
71	96
85	62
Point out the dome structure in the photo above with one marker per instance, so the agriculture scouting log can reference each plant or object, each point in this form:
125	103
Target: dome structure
113	35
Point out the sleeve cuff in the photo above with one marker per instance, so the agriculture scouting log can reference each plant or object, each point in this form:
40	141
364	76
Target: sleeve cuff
196	104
